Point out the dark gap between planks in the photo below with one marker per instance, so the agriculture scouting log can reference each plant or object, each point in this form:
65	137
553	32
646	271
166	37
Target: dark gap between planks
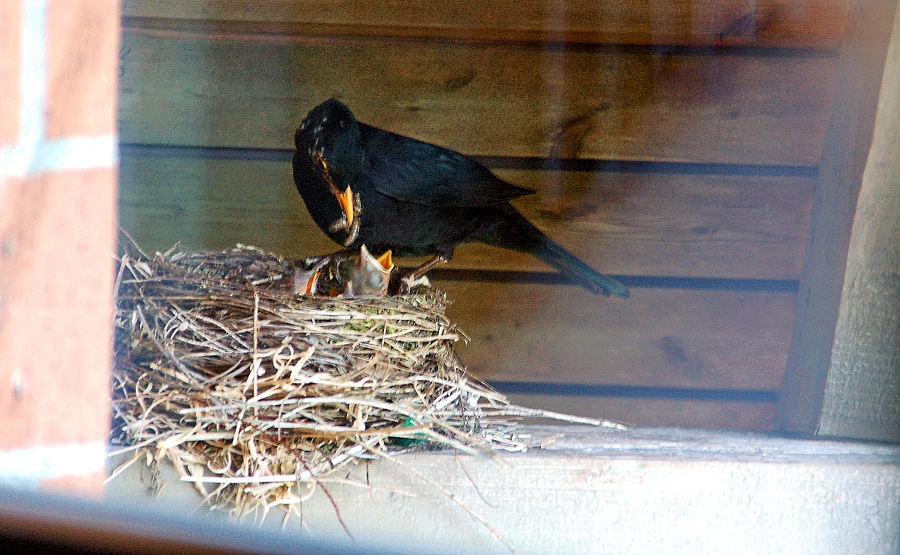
650	282
493	162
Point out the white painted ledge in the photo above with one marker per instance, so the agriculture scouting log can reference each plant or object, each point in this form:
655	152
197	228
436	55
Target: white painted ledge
598	491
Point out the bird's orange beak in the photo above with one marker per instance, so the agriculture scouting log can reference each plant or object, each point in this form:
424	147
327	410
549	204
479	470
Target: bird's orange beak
345	199
385	261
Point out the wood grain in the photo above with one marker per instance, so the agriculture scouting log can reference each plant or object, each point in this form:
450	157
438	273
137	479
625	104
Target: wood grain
667	224
717	106
657	337
733	227
731	84
862	392
784	23
844	157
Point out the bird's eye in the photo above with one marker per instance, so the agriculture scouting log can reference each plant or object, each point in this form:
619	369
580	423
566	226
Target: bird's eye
376	280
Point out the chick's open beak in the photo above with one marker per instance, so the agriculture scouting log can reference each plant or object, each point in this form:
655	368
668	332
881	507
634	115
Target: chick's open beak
386	261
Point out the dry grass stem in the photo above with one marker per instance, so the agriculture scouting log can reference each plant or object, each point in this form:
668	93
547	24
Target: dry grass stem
257	394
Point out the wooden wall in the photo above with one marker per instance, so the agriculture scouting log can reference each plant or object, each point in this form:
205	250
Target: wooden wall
861	394
689	134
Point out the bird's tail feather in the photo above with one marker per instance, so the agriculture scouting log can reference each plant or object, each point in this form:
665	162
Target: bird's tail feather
570	265
515	228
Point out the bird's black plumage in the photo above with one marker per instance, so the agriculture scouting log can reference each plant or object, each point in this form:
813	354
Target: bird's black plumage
412	197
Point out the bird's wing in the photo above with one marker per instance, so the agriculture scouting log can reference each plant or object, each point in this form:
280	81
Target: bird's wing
414	171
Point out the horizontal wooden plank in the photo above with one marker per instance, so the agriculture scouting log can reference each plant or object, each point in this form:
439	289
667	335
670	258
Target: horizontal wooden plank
214	204
658	337
734	227
793	23
594	492
668	224
718	106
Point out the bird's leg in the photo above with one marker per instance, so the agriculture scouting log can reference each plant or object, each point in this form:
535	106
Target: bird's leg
416	276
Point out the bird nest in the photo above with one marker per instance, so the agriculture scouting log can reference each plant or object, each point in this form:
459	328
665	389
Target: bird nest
257	394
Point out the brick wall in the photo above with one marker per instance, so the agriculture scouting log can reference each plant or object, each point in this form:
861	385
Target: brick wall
58	150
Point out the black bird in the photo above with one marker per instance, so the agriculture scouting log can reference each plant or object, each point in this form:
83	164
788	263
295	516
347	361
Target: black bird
364	185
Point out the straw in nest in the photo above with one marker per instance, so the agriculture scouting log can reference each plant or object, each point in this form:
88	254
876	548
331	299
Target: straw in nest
257	394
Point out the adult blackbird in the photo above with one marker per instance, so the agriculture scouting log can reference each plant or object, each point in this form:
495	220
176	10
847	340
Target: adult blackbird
364	185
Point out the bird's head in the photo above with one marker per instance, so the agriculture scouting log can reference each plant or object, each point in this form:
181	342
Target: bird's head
330	136
370	275
331	140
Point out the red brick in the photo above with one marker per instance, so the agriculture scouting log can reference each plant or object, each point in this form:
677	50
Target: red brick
82	67
10	16
56	274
